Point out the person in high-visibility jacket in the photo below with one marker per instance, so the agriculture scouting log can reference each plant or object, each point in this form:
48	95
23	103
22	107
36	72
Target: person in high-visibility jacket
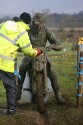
13	35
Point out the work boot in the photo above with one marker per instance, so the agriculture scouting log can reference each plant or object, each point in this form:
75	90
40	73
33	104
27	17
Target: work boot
11	112
7	112
56	87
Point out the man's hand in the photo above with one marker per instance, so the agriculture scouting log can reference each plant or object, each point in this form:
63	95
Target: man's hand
38	51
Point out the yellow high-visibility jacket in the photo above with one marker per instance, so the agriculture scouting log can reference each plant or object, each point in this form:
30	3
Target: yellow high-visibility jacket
13	35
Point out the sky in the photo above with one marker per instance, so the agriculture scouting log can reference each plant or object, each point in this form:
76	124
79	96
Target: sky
16	7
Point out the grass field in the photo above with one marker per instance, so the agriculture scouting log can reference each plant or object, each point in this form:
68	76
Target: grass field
63	62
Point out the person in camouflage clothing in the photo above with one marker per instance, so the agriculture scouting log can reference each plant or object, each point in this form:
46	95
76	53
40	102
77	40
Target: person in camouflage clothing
39	35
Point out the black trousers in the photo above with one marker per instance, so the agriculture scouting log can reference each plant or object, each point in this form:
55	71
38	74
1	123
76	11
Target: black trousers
9	82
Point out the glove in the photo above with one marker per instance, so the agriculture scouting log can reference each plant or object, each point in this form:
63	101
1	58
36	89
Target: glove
38	51
17	74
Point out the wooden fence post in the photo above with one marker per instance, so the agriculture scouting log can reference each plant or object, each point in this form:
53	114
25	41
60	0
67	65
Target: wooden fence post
80	73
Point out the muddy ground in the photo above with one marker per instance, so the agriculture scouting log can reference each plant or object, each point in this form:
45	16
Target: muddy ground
55	114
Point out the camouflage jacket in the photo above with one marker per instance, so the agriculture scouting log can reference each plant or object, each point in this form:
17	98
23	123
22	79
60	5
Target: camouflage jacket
39	39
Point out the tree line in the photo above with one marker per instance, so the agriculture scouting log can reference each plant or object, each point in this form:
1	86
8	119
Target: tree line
59	20
65	20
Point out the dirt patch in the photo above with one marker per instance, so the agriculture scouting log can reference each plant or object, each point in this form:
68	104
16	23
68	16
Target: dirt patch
55	114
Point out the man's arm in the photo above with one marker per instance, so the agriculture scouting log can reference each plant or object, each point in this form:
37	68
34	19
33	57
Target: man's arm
55	43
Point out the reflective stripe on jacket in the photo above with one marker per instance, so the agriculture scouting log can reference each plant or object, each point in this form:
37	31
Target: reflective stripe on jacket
13	35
